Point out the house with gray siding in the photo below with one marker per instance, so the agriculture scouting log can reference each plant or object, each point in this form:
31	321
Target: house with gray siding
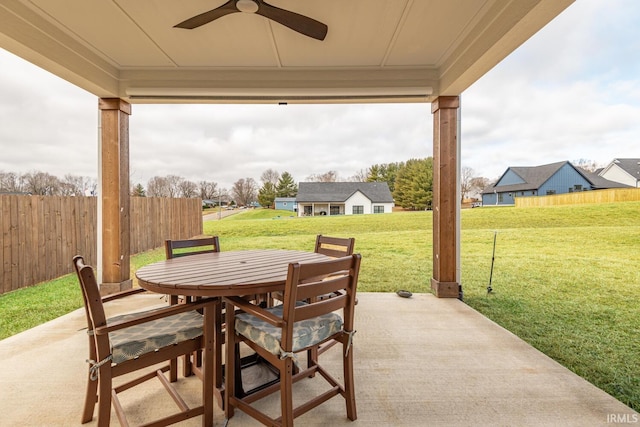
343	198
286	204
624	171
554	178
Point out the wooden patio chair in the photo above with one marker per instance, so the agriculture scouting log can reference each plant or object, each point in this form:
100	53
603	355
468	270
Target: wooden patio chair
180	248
278	333
131	342
203	245
335	247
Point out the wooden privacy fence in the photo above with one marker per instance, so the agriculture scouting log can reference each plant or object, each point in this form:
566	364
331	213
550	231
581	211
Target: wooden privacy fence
584	197
39	235
155	219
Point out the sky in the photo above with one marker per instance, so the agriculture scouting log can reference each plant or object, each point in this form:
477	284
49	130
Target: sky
571	92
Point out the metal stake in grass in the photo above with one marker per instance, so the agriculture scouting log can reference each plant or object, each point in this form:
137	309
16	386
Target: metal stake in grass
493	257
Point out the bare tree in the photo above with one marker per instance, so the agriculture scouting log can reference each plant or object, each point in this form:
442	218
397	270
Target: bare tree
222	195
10	182
41	183
466	175
245	191
331	176
208	190
158	187
187	189
73	185
478	184
173	185
360	176
587	165
271	176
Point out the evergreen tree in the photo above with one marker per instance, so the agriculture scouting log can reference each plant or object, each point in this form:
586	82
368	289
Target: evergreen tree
385	172
138	191
286	186
414	184
267	194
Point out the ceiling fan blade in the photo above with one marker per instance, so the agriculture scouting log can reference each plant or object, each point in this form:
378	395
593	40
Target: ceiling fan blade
300	23
206	17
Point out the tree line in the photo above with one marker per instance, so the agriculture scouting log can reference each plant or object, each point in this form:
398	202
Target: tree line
44	184
410	182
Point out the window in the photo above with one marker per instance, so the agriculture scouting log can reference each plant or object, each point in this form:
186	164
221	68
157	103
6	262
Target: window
378	209
577	187
358	210
500	197
308	210
550	192
334	210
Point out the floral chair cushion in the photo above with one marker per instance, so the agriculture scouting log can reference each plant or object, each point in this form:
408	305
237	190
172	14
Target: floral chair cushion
306	333
132	342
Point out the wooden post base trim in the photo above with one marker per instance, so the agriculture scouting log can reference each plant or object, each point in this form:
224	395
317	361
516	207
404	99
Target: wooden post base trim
112	288
445	289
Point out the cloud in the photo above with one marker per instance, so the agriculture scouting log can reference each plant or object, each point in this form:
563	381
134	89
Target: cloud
225	143
564	95
570	92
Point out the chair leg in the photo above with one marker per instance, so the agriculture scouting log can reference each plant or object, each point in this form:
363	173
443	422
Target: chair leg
104	396
350	395
230	364
286	392
312	358
90	400
187	370
173	363
208	362
91	397
237	373
187	367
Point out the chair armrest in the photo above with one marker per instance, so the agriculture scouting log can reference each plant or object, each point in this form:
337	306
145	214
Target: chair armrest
255	310
122	294
160	313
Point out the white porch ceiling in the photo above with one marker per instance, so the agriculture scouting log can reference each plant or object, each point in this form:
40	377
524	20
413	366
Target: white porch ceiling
374	51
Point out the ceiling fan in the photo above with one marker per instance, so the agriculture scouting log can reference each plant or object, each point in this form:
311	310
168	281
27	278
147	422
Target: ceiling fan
300	23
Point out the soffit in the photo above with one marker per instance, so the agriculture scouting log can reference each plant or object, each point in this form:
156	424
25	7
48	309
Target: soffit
375	50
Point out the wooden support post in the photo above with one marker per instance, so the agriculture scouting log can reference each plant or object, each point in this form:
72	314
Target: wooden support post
114	195
444	282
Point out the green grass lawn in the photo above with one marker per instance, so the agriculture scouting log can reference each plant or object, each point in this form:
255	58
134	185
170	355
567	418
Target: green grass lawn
565	278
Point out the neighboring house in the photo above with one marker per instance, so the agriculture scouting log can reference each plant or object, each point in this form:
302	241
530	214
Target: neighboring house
343	198
286	204
624	171
554	178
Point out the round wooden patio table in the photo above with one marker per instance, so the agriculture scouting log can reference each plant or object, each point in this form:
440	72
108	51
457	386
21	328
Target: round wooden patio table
233	273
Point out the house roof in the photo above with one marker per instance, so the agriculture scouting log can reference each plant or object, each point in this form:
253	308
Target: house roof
600	183
374	51
337	192
630	166
535	176
285	199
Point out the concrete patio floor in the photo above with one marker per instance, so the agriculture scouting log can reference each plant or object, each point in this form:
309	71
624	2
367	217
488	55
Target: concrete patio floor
421	361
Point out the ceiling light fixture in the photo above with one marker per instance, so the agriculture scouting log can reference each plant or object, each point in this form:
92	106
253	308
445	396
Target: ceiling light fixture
248	6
